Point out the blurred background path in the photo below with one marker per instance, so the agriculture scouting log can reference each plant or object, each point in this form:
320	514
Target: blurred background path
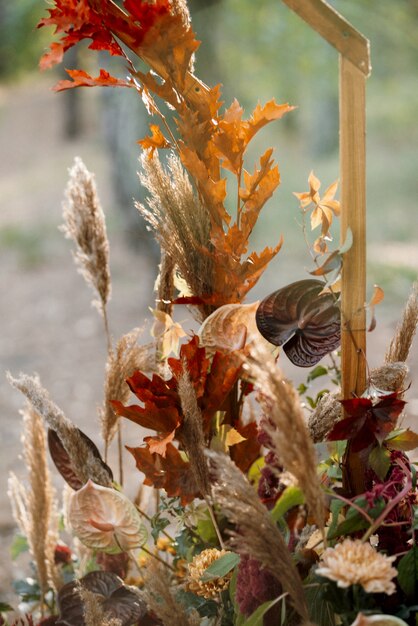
258	51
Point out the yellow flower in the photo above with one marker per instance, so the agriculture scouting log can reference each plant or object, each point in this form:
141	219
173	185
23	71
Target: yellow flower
211	588
356	563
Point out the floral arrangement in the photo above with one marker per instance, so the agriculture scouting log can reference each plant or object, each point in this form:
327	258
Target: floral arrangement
250	522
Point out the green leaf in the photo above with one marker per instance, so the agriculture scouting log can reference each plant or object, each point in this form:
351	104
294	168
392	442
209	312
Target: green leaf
206	530
404	440
19	545
254	473
321	611
318	371
28	589
5	608
257	618
221	566
291	496
379	461
335	508
408	573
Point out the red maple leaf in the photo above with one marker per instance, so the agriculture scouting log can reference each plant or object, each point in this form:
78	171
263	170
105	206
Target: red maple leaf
368	421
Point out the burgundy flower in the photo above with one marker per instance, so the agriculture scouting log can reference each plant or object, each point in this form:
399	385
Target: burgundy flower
62	554
256	585
368	421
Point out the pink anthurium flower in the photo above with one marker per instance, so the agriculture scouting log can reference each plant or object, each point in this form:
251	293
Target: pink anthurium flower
105	519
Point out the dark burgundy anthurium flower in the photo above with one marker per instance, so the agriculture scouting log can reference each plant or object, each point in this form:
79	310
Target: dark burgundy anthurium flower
304	319
368	420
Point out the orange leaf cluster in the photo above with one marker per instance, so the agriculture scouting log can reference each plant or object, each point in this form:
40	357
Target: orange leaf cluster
209	141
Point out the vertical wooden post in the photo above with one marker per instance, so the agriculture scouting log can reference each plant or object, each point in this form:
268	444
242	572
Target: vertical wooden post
353	215
354	69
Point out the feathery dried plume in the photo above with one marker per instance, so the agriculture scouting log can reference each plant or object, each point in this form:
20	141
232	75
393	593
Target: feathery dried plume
179	7
165	289
179	221
94	615
121	363
390	377
327	413
84	223
161	600
401	343
35	509
82	457
256	535
192	436
285	426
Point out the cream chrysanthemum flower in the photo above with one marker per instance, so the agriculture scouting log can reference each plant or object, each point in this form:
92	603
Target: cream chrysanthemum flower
356	563
211	588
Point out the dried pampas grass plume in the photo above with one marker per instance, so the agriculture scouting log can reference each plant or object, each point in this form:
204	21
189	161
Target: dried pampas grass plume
84	223
255	534
127	357
94	615
159	594
284	424
401	343
179	221
191	433
35	509
88	466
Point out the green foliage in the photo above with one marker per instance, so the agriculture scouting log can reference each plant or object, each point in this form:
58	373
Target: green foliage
221	566
20	49
408	573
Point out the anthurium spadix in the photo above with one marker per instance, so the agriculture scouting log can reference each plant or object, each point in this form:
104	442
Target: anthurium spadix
104	519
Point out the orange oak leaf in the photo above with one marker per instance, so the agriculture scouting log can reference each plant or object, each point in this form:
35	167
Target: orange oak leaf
260	186
171	472
246	452
82	79
156	140
263	115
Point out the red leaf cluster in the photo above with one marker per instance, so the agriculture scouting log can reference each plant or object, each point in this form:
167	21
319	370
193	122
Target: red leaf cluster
160	410
367	421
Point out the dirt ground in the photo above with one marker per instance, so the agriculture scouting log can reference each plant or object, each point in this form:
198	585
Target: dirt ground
47	323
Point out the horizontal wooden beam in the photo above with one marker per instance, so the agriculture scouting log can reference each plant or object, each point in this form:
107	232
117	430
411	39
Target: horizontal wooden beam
323	18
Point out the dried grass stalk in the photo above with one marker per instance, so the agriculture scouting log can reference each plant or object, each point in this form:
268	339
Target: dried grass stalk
94	615
191	433
35	509
286	427
84	223
165	290
159	594
255	535
121	363
179	221
88	466
401	343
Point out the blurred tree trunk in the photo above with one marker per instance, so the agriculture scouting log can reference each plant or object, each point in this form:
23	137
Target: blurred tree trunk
71	98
